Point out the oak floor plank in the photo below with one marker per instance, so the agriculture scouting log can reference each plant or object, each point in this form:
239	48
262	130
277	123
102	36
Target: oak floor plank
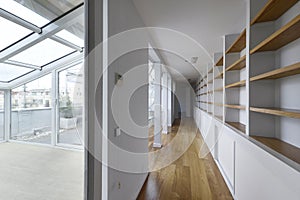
192	176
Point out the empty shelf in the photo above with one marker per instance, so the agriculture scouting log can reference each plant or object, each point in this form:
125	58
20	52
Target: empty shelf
219	90
220	76
238	84
282	37
240	107
237	125
218	104
285	149
219	117
278	112
239	44
273	10
203	86
238	65
220	62
279	73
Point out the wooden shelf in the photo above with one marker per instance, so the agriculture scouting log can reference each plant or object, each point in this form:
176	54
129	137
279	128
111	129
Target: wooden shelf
203	86
278	112
238	84
279	73
238	65
210	103
273	10
210	92
220	76
219	90
218	104
239	44
211	70
285	149
211	81
237	125
240	107
282	37
220	62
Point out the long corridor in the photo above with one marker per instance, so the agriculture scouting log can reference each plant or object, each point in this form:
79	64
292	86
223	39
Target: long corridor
189	177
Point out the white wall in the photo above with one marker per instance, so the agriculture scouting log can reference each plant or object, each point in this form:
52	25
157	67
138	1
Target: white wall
122	16
184	94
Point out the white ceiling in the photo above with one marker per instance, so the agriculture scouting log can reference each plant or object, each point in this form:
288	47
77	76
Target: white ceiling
200	21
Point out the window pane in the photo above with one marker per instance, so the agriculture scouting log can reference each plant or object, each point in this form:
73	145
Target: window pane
74	33
11	33
71	106
23	12
66	35
43	53
39	12
31	111
10	72
1	115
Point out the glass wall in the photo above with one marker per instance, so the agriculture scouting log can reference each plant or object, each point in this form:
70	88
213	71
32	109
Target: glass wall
31	111
70	94
1	115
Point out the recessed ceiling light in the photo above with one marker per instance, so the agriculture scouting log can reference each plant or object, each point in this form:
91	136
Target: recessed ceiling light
194	60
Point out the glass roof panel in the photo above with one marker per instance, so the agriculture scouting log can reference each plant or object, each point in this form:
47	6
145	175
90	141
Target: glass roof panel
66	35
10	72
43	53
23	12
39	12
12	32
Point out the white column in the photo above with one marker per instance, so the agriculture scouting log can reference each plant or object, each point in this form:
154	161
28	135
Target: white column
157	107
7	114
165	103
169	101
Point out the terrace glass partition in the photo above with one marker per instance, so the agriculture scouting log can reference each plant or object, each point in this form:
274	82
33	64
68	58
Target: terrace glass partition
31	111
70	109
1	115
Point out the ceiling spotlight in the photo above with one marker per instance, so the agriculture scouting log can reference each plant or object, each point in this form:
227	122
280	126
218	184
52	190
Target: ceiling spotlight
194	60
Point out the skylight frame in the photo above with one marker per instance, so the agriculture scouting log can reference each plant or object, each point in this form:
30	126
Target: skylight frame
47	31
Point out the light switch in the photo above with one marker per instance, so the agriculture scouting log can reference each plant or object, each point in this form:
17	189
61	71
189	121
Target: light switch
117	132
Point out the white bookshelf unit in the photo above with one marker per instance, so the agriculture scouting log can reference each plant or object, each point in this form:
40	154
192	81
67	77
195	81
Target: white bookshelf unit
251	95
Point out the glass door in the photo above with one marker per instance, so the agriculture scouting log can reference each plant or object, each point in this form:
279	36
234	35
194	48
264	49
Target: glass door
70	106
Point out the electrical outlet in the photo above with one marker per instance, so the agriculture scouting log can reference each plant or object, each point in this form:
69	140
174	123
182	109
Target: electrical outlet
117	132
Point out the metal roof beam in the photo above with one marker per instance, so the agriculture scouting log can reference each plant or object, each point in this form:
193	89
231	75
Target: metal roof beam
20	64
15	19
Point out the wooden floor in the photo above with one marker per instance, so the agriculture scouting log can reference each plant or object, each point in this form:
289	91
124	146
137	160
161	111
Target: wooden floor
189	177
